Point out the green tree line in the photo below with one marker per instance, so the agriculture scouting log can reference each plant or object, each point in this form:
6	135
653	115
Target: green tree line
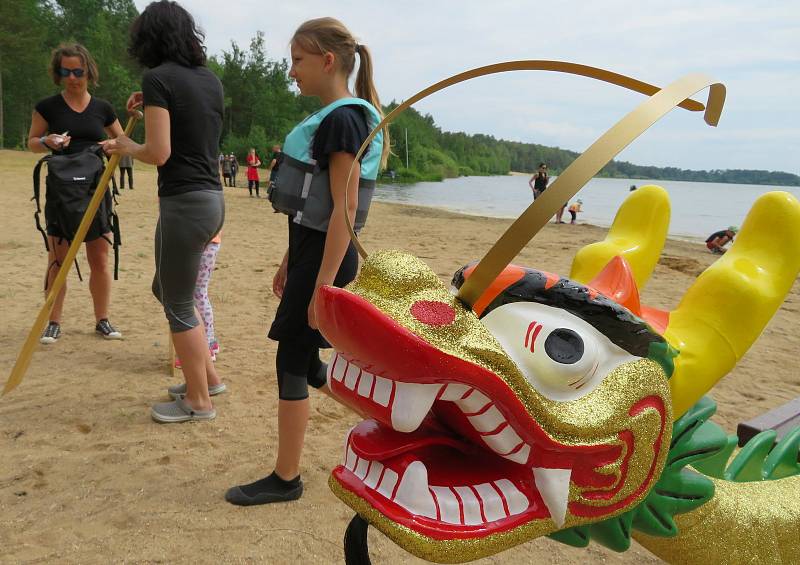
260	107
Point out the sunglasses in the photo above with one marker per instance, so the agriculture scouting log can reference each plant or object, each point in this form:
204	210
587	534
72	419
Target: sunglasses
65	72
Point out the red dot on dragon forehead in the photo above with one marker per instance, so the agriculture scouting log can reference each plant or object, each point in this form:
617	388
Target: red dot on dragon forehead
433	313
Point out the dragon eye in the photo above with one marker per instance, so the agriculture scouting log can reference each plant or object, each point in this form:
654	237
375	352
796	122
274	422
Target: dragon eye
561	355
564	346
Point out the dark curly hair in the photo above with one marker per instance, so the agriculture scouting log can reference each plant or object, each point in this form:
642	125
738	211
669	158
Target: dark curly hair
165	31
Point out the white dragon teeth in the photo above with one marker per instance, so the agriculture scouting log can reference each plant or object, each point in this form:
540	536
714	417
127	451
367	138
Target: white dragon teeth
411	404
374	475
516	500
413	493
520	456
387	484
491	501
382	392
487	421
465	505
553	486
454	391
504	441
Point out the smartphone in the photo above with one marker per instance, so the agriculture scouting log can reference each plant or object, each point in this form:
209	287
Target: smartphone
60	137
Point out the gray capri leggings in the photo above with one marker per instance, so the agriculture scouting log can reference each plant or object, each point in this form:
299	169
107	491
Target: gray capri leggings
186	224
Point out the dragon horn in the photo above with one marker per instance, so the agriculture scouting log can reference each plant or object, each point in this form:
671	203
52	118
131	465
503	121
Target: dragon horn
617	283
637	235
731	302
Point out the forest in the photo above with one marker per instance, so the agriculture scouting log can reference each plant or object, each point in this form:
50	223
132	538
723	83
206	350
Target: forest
260	105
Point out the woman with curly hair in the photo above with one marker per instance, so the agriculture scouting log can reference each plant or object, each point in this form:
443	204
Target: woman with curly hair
183	107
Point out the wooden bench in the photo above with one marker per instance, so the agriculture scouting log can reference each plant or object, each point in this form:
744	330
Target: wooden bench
782	419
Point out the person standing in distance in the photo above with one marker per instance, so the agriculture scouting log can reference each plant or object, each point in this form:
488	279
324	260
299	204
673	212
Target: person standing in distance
126	167
234	169
538	182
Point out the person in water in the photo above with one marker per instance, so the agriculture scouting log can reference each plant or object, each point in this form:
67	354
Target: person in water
717	241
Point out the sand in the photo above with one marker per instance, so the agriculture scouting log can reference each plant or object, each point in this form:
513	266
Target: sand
87	477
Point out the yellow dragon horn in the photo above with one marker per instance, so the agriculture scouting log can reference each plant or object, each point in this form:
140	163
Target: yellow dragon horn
637	235
726	309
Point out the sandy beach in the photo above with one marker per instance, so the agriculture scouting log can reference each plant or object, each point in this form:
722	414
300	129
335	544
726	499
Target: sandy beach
87	477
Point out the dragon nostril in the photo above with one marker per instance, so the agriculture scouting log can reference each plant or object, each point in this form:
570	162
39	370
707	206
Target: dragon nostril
433	313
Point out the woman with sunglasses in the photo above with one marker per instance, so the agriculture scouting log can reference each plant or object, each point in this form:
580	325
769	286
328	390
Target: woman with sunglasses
69	122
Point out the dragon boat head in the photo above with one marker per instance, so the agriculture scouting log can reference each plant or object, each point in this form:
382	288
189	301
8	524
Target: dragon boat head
544	406
547	406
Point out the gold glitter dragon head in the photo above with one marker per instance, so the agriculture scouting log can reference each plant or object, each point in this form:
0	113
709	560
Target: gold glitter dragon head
550	410
548	404
523	403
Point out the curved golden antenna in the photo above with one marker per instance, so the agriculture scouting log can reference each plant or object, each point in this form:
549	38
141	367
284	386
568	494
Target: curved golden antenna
711	116
580	171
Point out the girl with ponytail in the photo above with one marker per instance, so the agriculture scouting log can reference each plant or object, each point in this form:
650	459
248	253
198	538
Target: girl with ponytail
324	55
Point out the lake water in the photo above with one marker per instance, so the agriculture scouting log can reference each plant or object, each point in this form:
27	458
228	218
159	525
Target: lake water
698	208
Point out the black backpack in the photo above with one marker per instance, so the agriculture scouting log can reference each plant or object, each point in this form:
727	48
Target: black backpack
70	184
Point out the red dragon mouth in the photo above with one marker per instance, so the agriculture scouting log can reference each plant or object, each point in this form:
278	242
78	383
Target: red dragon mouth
450	451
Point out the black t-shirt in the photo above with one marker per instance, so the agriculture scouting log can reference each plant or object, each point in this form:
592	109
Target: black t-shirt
193	96
277	156
86	128
342	131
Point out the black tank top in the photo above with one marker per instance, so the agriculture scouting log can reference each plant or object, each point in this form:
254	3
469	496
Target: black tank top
540	183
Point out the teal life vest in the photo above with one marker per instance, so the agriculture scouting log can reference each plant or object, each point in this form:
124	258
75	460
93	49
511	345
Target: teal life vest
301	189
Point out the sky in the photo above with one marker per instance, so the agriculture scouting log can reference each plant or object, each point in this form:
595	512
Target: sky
753	47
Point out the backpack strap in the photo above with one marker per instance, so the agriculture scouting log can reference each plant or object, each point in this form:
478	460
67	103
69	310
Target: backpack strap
37	181
116	243
78	269
113	218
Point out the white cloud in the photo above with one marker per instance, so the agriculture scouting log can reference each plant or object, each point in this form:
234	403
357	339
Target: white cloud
750	46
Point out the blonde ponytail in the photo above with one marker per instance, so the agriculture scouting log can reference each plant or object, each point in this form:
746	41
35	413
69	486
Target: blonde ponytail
365	88
329	35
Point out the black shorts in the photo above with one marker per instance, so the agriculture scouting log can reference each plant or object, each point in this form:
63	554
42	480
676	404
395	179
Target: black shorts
305	257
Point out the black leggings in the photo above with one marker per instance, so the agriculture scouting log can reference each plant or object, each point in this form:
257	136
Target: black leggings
122	171
298	365
252	184
186	223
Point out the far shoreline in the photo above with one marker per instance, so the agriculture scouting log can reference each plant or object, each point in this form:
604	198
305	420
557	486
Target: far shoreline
443	212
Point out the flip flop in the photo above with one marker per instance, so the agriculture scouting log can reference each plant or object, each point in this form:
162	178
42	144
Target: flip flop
179	391
179	411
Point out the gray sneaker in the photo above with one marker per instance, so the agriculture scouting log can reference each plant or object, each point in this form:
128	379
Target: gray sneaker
179	391
179	411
